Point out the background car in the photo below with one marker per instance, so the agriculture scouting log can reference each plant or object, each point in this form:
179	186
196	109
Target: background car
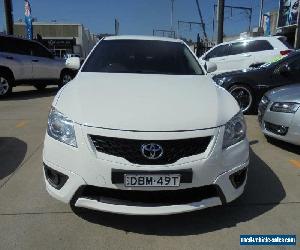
244	53
279	114
248	86
25	61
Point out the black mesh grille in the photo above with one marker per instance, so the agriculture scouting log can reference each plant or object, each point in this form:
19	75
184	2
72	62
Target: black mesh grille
173	150
155	198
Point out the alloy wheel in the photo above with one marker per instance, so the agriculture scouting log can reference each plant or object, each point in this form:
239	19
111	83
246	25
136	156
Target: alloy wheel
4	86
66	78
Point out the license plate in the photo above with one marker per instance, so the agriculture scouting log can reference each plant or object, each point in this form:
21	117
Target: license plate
141	180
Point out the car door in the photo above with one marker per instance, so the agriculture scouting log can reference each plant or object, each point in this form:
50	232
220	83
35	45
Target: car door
17	57
262	52
239	56
43	63
218	56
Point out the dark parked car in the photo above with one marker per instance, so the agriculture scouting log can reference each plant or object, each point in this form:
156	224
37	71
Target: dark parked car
248	86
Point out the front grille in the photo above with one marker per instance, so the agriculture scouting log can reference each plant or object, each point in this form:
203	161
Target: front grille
276	129
144	198
129	149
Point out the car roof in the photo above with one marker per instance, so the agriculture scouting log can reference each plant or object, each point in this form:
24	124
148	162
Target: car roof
18	38
145	38
247	39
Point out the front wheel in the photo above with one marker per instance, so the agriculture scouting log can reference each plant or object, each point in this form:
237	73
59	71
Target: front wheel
66	76
244	97
5	85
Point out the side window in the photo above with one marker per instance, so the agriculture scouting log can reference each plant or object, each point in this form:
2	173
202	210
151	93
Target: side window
5	45
295	65
259	45
217	52
39	51
12	45
22	47
238	48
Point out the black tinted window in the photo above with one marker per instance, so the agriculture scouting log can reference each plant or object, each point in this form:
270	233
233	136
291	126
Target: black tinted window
249	46
145	57
217	52
295	65
39	50
259	45
237	48
285	42
12	45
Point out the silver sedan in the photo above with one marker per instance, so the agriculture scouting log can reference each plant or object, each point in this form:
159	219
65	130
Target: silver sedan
279	114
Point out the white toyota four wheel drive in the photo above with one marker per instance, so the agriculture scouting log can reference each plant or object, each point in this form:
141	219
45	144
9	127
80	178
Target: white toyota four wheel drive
24	61
142	130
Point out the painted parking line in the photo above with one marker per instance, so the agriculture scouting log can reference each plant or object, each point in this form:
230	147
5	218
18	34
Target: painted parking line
295	163
21	124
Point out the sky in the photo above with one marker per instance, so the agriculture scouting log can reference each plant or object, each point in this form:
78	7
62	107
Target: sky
140	16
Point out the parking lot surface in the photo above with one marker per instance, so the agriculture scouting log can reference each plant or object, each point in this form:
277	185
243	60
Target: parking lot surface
31	219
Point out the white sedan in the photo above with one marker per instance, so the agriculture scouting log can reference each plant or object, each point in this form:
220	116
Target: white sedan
142	130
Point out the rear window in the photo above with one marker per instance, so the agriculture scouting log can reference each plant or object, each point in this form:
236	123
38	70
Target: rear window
249	46
144	57
285	42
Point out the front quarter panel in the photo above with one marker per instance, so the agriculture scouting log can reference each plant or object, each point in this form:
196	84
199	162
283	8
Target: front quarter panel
228	107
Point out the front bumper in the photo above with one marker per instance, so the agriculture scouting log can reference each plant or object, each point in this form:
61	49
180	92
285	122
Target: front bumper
290	123
85	167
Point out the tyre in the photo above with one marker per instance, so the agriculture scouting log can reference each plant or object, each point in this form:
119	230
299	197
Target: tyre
244	96
5	85
40	87
66	76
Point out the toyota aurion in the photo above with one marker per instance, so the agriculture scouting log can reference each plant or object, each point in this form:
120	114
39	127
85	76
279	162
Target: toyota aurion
142	130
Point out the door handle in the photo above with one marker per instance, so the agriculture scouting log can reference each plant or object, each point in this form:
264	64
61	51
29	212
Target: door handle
35	60
9	58
247	55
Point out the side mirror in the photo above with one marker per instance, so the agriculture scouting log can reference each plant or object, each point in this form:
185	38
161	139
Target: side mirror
210	67
73	63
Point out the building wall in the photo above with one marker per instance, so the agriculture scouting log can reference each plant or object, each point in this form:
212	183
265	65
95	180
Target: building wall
54	31
48	30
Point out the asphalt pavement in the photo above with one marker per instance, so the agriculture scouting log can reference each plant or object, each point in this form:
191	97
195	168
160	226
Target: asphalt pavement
31	219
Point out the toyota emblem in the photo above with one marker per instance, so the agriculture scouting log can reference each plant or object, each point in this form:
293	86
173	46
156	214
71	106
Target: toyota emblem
152	151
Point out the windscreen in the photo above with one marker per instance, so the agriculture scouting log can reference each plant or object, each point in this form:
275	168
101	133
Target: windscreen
142	57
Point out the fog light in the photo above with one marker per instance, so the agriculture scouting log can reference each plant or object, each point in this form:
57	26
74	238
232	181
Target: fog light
238	178
55	178
276	129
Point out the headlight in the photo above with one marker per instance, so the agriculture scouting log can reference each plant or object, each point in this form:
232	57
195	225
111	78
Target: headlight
264	101
235	130
61	128
285	107
220	81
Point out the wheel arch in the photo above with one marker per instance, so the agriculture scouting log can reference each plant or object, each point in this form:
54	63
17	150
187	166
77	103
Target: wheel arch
64	70
7	71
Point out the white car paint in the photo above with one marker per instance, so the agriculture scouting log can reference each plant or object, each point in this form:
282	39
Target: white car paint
241	61
144	107
189	100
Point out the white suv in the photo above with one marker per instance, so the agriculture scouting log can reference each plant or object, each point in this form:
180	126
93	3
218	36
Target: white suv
28	62
142	130
244	53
